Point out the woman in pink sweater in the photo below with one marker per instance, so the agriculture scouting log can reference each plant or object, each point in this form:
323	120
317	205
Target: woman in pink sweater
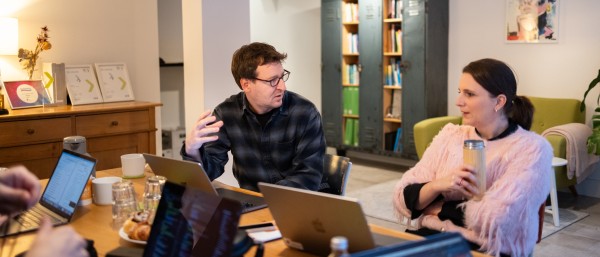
437	194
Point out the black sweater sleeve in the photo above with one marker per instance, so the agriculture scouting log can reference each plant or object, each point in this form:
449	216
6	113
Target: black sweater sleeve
411	198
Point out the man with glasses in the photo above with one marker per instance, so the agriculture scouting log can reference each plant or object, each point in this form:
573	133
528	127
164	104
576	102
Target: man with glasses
274	135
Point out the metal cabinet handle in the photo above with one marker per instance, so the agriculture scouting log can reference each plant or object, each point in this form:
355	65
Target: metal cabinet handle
30	131
114	123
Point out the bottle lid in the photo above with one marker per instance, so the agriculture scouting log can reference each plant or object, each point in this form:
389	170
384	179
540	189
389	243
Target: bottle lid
472	143
339	242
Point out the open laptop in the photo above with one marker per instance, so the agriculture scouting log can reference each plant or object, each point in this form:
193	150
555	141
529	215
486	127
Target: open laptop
442	244
192	174
59	200
308	220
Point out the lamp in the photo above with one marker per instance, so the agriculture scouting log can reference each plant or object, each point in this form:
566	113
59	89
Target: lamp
9	45
9	36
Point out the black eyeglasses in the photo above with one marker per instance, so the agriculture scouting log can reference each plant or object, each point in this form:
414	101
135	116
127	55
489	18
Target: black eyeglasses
275	81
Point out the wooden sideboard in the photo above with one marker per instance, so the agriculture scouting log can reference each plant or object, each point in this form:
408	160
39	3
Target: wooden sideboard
34	136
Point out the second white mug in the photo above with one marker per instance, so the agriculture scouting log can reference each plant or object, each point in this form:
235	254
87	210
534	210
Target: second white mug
102	190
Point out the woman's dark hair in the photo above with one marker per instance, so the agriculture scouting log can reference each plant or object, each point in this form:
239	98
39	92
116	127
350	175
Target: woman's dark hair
497	78
246	59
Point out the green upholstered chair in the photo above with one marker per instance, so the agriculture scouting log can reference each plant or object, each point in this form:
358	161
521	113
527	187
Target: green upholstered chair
549	112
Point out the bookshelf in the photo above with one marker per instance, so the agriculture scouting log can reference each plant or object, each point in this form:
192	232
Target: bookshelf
399	58
350	72
392	78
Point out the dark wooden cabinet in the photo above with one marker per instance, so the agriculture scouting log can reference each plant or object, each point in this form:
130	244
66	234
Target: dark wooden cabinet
33	137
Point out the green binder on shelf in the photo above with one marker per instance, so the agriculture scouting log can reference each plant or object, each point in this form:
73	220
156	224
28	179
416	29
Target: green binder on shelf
346	100
355	133
349	132
353	100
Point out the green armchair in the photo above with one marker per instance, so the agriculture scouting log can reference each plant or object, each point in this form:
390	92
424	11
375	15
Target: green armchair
549	112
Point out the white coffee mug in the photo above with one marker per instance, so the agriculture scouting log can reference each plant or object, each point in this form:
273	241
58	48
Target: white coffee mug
133	165
102	190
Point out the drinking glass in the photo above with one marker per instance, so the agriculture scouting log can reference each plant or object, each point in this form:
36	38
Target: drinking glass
124	200
152	193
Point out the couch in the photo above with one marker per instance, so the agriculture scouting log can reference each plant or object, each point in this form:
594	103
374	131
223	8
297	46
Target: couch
549	112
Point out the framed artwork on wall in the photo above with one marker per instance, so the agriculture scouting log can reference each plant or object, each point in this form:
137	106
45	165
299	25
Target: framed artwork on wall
26	94
532	21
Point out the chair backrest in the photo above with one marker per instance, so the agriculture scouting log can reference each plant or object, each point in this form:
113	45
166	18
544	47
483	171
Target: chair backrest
425	130
550	112
337	168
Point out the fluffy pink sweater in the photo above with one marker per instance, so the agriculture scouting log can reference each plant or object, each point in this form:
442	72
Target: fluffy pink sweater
518	182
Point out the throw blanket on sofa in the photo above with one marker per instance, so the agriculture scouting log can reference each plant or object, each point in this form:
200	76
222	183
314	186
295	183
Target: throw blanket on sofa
576	135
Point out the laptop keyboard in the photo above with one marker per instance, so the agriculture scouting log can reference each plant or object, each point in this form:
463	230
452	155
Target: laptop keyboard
33	217
249	202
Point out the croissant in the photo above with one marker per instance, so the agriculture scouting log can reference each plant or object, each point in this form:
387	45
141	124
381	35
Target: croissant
141	232
137	227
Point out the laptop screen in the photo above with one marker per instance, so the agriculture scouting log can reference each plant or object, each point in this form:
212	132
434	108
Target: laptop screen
67	182
189	222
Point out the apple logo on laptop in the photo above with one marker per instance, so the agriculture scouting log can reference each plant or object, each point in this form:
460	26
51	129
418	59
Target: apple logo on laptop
318	226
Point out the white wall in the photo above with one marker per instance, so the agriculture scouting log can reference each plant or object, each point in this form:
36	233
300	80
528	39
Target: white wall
87	32
561	70
170	31
212	31
226	27
293	27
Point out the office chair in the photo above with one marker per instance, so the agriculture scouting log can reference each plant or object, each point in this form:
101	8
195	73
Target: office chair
337	169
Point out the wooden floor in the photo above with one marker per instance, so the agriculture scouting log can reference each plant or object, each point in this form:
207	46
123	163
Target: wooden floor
579	239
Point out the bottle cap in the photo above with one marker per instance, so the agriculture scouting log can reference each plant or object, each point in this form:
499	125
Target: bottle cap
473	143
339	242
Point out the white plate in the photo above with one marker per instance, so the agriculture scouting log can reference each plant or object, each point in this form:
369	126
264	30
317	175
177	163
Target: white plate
124	235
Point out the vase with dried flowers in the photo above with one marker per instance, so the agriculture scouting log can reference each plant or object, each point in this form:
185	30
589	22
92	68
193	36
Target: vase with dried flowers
29	58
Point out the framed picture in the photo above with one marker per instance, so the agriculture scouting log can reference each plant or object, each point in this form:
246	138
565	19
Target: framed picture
26	93
113	79
82	84
532	21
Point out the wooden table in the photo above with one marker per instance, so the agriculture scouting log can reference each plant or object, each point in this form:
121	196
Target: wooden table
95	222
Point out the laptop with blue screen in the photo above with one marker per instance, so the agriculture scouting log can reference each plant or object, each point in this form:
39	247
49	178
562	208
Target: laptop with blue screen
59	200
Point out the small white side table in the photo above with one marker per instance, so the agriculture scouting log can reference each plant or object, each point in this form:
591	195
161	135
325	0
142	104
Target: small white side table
553	208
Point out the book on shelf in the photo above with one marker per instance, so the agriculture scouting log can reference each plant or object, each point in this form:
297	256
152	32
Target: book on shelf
349	132
398	143
352	40
353	95
345	74
399	8
350	12
354	75
350	74
346	100
398	36
355	133
395	38
388	74
393	73
396	104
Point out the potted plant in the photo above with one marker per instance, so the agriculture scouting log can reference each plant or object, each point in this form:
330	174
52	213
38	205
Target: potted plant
593	142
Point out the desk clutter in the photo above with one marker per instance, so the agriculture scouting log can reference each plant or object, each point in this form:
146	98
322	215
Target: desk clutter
190	222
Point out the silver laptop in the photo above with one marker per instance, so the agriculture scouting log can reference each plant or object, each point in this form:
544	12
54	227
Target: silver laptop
59	200
308	220
192	174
